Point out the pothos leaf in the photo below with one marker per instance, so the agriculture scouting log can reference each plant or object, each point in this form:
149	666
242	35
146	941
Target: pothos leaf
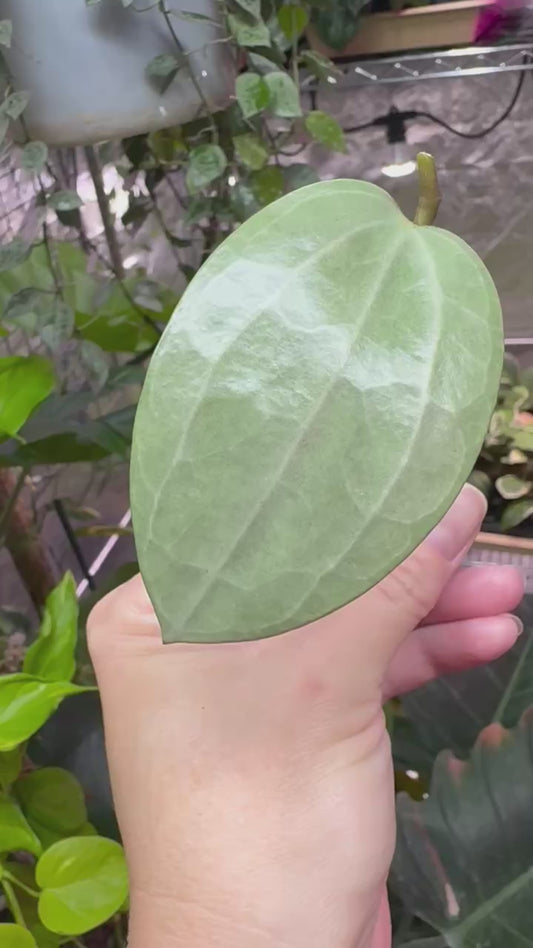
287	364
14	104
26	703
252	93
15	936
292	20
284	95
250	150
6	32
326	130
33	156
248	34
25	381
51	656
206	164
320	66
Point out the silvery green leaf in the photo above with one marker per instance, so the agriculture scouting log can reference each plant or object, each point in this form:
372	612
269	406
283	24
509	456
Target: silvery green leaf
33	157
314	406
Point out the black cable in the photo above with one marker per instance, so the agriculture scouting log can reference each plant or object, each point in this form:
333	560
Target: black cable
406	116
73	541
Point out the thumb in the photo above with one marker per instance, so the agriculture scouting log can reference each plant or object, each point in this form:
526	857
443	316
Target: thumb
375	624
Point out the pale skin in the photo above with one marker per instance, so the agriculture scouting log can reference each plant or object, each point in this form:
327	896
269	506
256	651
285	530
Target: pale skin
253	782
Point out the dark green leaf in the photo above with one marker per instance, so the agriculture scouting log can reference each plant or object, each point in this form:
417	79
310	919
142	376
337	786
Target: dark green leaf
326	130
25	307
299	176
53	798
162	69
6	32
263	64
13	105
59	326
248	34
243	201
320	66
15	832
252	93
84	882
263	392
284	95
64	200
449	713
251	150
13	254
51	656
292	20
337	25
206	164
24	382
267	184
33	157
463	859
15	936
25	704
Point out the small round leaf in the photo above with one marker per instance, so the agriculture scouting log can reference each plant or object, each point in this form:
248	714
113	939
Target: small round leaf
84	882
54	798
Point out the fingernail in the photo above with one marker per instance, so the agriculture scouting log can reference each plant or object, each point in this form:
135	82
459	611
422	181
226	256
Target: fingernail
460	524
519	625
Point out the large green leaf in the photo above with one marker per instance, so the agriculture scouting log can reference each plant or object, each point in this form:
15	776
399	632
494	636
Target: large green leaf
25	381
449	713
53	798
15	936
463	861
314	406
26	703
15	831
84	882
51	656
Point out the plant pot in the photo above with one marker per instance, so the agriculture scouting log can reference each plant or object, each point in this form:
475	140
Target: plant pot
85	66
437	26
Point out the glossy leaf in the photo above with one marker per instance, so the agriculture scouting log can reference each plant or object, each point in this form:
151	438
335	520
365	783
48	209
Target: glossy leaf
248	33
325	130
84	882
33	157
25	381
315	405
284	95
13	105
251	150
267	184
51	656
25	873
6	32
449	712
15	831
463	858
292	20
52	797
252	93
15	936
25	704
206	164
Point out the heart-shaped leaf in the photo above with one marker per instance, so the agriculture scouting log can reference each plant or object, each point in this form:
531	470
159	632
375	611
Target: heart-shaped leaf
463	859
252	93
25	381
317	401
325	130
84	882
51	656
53	798
284	95
15	831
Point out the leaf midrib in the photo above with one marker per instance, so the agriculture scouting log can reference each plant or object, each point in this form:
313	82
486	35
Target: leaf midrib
488	907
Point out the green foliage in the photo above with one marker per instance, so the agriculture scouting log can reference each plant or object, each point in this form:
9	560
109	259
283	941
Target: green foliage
206	164
25	381
336	21
293	20
325	130
33	157
187	435
15	936
284	95
253	94
84	882
51	656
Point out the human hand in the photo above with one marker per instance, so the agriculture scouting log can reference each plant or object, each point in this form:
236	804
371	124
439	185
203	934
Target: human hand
253	781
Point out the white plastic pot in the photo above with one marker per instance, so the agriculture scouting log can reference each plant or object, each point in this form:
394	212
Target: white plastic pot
84	66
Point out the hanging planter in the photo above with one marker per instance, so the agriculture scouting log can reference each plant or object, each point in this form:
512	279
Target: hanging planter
87	69
438	25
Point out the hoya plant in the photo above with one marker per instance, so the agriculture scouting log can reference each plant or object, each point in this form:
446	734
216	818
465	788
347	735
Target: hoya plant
60	879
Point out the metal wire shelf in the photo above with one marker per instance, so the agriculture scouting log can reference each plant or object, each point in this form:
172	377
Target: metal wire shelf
439	64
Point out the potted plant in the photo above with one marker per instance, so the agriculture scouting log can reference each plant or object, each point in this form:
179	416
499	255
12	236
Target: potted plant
100	69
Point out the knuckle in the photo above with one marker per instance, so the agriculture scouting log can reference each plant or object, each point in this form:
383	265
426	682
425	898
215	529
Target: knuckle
413	586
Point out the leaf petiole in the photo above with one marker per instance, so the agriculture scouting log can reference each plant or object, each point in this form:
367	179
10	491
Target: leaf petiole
428	190
21	885
13	902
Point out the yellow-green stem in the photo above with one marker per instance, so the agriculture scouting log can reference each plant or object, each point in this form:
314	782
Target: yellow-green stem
428	190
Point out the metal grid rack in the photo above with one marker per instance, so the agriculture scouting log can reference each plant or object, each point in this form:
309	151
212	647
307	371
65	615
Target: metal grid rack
439	64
